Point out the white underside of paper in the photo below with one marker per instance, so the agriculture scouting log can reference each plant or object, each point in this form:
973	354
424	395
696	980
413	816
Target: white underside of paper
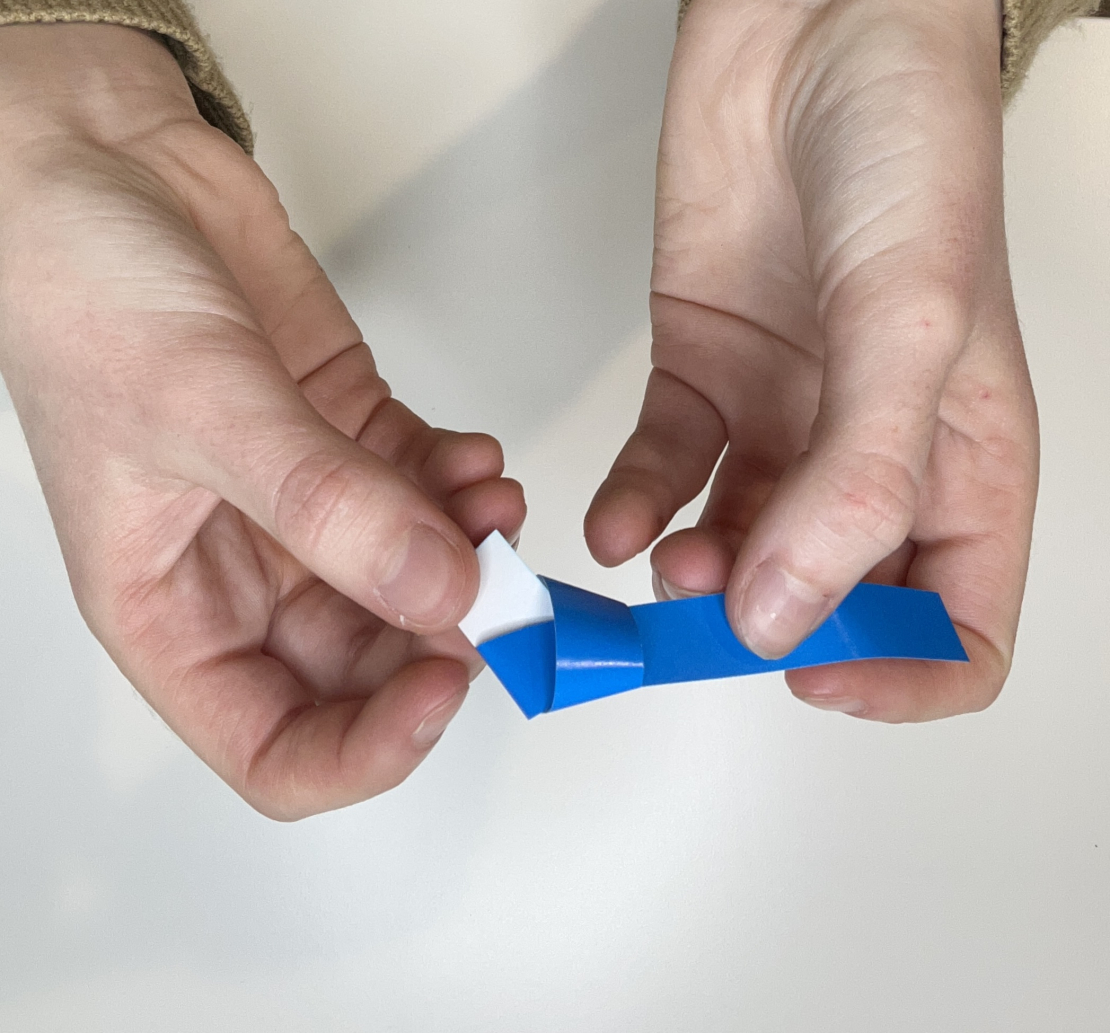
510	595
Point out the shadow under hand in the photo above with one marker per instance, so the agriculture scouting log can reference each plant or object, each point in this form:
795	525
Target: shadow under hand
500	279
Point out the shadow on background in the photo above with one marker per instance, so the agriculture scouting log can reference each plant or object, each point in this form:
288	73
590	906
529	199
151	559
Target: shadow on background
497	281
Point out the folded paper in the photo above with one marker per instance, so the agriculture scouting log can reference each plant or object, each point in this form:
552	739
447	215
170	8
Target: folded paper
553	645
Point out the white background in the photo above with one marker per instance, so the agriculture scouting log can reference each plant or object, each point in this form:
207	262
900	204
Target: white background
477	175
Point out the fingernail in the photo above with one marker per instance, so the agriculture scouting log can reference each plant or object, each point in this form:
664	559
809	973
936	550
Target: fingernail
435	724
673	591
665	591
777	611
427	579
840	704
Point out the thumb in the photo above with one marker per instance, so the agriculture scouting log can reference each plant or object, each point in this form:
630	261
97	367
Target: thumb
850	500
345	513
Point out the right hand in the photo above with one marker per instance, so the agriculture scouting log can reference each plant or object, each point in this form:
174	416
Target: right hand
832	310
273	550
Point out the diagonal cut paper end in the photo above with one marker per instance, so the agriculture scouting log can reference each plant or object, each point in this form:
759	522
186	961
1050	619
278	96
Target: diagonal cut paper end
510	596
511	625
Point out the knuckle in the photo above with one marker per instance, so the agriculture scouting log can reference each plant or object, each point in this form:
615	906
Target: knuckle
875	502
930	316
940	319
986	698
989	688
313	499
479	455
492	452
277	806
269	778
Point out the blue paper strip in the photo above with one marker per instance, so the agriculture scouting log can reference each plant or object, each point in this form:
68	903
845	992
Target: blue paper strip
597	647
598	650
524	662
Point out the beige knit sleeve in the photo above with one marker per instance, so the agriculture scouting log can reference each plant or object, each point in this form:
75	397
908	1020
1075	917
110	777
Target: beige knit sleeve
1026	23
1025	26
174	23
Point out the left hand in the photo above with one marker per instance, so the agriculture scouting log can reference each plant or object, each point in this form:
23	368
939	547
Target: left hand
272	548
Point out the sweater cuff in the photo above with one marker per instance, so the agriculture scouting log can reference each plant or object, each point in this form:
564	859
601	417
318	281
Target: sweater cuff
1025	26
174	24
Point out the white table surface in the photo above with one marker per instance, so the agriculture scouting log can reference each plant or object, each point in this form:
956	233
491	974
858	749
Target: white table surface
477	175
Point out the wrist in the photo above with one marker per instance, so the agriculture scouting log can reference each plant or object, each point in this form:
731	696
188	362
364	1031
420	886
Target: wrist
103	83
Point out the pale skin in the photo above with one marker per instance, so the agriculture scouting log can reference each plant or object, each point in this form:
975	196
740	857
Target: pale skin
832	309
236	493
234	490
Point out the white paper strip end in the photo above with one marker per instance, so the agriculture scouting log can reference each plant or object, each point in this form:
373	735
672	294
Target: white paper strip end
510	595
